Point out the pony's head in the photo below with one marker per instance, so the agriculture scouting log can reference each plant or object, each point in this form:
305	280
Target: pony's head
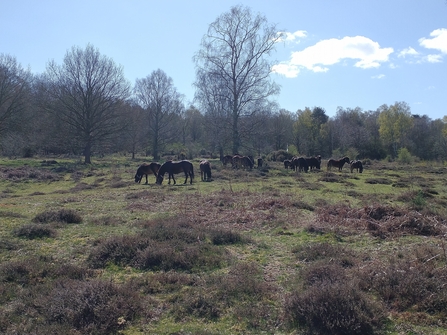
159	179
138	178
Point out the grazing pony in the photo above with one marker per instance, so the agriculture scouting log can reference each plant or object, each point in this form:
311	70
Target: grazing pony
205	170
173	168
357	165
260	162
338	163
288	163
227	159
300	164
313	162
146	169
242	161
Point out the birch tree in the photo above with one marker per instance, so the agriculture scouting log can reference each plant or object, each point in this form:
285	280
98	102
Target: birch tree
233	57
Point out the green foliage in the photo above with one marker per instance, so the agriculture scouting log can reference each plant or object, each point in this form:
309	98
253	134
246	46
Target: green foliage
404	156
394	123
293	150
419	201
279	156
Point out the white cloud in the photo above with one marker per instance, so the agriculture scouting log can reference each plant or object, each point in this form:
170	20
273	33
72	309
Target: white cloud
379	76
291	37
408	51
287	70
433	58
438	42
318	57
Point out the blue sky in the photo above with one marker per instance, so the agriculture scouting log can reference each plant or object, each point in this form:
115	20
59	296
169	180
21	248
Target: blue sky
346	53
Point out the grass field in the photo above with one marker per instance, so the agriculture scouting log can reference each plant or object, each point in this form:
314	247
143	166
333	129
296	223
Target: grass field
86	250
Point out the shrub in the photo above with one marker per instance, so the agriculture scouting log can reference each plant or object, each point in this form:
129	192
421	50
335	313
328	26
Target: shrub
321	251
34	270
419	201
279	156
63	215
223	237
165	252
32	231
179	256
91	307
412	280
119	250
167	229
404	156
245	281
333	308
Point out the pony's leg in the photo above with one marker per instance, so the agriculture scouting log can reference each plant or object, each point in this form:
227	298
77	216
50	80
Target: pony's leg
147	182
173	178
186	177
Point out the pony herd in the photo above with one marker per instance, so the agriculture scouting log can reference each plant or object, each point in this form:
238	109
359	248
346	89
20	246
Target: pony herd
171	168
301	164
238	161
309	163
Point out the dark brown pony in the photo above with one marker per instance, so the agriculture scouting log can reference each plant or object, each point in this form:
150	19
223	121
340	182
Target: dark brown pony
288	163
338	163
146	169
172	168
313	162
242	161
299	164
227	159
205	170
357	165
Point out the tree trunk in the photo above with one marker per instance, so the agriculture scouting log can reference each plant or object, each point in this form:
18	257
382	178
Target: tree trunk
88	153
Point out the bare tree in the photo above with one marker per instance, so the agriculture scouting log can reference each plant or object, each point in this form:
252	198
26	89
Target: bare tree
86	92
158	96
14	93
232	58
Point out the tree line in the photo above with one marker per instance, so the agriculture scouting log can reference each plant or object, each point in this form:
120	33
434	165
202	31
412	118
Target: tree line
86	106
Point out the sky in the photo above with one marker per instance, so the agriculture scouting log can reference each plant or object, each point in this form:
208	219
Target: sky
335	53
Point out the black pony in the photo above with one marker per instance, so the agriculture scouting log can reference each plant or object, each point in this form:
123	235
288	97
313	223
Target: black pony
338	163
313	162
300	164
205	170
227	159
146	169
172	168
357	165
242	161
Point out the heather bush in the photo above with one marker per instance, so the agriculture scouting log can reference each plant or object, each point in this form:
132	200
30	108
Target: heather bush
160	246
91	307
179	256
63	215
414	280
333	308
225	237
32	231
119	250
